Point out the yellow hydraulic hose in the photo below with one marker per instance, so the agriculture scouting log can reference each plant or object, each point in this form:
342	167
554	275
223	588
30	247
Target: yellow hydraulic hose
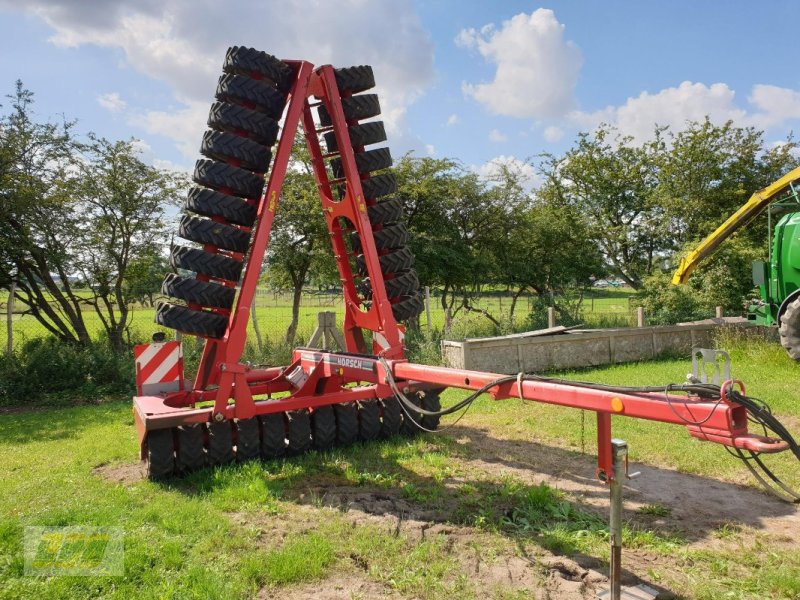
751	209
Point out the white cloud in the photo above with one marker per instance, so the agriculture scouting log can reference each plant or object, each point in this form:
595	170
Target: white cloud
112	102
677	106
168	165
775	104
536	68
142	147
497	136
185	125
430	150
673	107
553	134
491	169
780	143
452	119
183	42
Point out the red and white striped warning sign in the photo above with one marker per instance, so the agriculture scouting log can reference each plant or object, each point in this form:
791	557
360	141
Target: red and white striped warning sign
159	367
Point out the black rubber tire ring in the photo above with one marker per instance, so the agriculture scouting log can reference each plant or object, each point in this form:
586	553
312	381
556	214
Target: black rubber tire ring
189	321
210	203
195	291
207	263
224	147
241	120
206	231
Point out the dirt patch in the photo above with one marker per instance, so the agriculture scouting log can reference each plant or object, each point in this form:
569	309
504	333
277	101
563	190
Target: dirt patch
339	587
126	473
541	575
698	506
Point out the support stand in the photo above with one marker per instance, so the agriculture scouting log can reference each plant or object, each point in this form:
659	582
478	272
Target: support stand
326	332
619	458
619	453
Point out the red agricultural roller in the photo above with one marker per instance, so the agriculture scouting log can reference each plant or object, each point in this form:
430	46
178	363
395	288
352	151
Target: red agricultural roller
235	412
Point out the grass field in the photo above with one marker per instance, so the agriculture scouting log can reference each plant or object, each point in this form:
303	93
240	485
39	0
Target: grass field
479	511
274	313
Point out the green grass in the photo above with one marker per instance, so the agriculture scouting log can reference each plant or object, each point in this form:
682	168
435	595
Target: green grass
231	531
602	307
765	368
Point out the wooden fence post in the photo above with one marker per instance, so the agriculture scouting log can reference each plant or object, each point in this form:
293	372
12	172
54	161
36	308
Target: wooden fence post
718	312
640	316
428	307
257	331
551	317
10	317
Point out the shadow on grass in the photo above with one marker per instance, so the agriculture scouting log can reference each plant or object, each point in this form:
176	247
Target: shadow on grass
42	424
524	490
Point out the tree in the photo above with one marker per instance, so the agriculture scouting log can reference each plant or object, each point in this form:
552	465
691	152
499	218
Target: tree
610	183
549	250
299	247
708	171
35	217
73	218
452	219
144	276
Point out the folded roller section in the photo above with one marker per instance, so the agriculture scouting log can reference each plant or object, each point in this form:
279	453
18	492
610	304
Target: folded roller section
377	181
243	125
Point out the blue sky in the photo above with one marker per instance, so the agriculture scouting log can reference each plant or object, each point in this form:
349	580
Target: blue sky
476	81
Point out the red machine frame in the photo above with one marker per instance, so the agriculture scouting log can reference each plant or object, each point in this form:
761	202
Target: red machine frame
361	373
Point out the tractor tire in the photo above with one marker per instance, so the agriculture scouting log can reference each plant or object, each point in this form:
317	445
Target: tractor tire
247	439
227	178
411	419
252	93
323	427
249	61
355	108
790	329
195	291
160	453
369	420
393	262
404	283
432	402
299	432
391	417
385	211
380	185
273	435
190	455
346	423
361	135
354	79
366	162
220	443
206	231
243	121
191	322
392	236
223	146
407	307
209	203
200	261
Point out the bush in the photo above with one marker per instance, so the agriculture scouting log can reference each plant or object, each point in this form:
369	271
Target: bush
424	348
48	371
667	304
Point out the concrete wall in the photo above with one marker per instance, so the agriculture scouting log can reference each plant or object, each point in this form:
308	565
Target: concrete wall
575	349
